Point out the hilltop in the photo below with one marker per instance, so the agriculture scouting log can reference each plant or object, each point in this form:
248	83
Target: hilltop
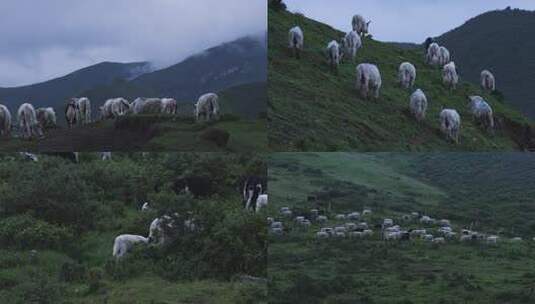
478	190
510	57
312	109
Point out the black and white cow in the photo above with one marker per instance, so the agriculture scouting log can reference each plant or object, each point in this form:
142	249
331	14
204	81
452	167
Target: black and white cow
254	193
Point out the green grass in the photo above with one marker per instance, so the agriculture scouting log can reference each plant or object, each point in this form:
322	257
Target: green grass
485	188
314	109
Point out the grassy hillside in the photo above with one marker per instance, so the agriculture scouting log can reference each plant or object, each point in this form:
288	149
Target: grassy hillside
512	60
56	237
313	109
478	189
150	133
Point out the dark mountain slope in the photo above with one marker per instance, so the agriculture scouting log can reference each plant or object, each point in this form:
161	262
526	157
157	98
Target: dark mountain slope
501	41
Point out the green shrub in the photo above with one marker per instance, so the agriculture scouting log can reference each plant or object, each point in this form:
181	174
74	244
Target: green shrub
26	232
72	272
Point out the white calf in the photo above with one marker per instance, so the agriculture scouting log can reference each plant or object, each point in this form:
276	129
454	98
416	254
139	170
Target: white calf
207	105
418	105
5	120
124	243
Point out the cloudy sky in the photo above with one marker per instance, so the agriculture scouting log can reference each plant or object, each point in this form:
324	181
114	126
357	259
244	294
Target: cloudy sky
44	39
402	20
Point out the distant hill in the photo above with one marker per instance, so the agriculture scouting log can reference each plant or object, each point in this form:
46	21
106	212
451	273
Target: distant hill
501	41
314	109
228	65
54	92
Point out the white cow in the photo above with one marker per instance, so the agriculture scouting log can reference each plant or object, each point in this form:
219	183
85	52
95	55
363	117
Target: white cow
418	105
84	110
433	54
72	112
368	80
407	75
482	112
124	243
334	55
450	124
105	155
296	41
46	117
352	43
158	227
449	75
360	25
207	105
443	55
28	123
145	206
114	108
169	106
5	120
261	202
487	81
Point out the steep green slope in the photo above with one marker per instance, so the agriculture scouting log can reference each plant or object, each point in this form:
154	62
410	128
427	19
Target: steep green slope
312	108
497	41
478	189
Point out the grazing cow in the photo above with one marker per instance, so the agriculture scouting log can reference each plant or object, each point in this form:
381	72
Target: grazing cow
432	56
83	110
286	212
353	216
169	106
487	81
428	42
46	117
114	108
145	206
482	112
159	229
322	219
28	121
334	55
207	105
366	212
449	75
360	25
443	55
351	44
276	225
439	240
450	124
296	41
322	235
340	217
29	156
5	120
71	112
388	222
124	243
105	155
147	106
407	75
493	239
418	105
368	80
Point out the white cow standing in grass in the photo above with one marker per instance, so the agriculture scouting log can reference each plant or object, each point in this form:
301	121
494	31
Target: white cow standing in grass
432	56
207	106
28	123
360	25
407	75
418	105
334	55
368	80
125	242
450	124
449	75
443	55
351	44
169	106
487	81
482	112
46	117
5	121
83	110
114	108
296	41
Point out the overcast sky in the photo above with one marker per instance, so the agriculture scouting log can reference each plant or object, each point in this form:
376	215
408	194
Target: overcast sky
44	39
402	20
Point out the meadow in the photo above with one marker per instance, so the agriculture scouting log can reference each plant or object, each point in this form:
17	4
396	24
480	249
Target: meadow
487	192
58	221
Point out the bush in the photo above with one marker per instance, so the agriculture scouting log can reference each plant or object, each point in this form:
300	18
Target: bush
218	136
95	276
26	232
72	272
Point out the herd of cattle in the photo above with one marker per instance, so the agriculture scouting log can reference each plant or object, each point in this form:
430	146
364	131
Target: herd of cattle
162	229
33	121
354	225
369	82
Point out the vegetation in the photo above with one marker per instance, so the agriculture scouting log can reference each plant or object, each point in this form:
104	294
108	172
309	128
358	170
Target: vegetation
314	109
489	191
57	236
